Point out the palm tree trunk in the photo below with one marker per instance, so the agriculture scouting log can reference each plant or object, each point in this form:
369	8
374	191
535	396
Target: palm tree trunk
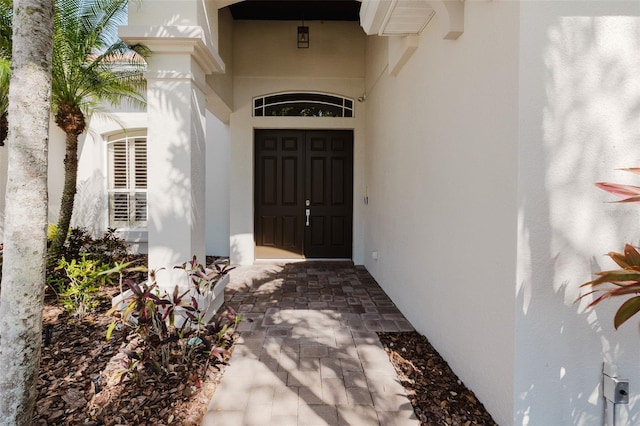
25	243
68	197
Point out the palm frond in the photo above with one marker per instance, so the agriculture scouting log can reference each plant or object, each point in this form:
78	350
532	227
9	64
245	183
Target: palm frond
91	64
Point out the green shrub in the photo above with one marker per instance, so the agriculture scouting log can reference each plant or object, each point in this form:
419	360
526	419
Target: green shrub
80	246
80	273
109	248
78	293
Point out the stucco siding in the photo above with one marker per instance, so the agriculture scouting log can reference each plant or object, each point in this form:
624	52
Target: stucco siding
441	165
218	168
222	83
268	49
55	176
579	121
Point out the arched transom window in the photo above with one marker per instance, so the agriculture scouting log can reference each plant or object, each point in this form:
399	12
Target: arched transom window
302	104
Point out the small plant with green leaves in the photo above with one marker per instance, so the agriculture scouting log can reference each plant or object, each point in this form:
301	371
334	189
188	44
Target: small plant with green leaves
623	282
172	326
84	277
82	248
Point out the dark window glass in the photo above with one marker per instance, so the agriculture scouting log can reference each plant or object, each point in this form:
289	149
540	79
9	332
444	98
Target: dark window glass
303	105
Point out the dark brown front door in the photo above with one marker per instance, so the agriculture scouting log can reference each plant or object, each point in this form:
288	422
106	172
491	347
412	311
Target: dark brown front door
303	193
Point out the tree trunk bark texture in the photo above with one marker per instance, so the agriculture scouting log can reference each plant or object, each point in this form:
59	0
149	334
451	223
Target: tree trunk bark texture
25	244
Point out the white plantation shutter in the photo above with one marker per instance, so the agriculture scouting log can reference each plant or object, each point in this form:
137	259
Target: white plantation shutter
128	180
119	209
140	197
140	161
120	165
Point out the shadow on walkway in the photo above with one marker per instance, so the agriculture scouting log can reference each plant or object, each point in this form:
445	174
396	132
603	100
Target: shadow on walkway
308	353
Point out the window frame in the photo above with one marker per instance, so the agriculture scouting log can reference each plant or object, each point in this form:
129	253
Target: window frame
264	105
130	139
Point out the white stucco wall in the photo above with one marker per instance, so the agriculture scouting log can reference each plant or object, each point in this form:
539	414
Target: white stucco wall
218	168
55	176
441	178
222	83
579	120
218	140
179	13
266	60
489	146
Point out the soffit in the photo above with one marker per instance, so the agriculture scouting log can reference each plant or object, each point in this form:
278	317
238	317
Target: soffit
379	17
406	18
296	10
410	17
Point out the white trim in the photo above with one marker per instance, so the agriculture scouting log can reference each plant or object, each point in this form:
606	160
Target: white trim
302	99
176	38
303	259
133	235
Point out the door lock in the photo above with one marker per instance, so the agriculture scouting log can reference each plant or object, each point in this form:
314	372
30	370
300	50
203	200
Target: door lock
308	214
307	203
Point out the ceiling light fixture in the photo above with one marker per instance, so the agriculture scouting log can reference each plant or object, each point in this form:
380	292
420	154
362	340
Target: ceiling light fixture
303	36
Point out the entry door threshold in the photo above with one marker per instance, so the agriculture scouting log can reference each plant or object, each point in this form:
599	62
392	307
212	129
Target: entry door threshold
311	259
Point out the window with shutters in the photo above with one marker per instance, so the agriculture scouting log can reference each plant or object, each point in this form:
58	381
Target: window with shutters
127	155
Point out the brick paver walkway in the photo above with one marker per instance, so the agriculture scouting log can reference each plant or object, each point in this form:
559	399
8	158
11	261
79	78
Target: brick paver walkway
308	353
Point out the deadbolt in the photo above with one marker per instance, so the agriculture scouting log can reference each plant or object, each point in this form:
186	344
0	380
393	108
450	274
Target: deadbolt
307	203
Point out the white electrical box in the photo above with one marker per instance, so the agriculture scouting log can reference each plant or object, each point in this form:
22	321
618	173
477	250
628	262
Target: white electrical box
615	389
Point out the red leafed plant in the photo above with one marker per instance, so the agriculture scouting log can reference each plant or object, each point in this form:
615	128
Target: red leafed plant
624	281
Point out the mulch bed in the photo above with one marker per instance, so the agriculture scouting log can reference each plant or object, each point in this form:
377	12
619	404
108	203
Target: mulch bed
437	395
78	361
77	384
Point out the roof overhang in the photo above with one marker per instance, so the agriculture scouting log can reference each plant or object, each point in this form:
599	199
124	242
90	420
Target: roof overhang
410	17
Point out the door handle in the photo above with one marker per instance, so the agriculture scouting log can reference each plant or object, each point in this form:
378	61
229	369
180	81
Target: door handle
308	214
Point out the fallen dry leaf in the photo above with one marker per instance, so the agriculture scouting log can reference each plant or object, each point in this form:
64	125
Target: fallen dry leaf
433	386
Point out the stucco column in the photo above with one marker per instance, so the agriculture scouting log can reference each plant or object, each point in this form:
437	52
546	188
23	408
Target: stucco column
176	168
176	88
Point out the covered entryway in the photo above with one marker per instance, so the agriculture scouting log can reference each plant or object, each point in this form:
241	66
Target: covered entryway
303	194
